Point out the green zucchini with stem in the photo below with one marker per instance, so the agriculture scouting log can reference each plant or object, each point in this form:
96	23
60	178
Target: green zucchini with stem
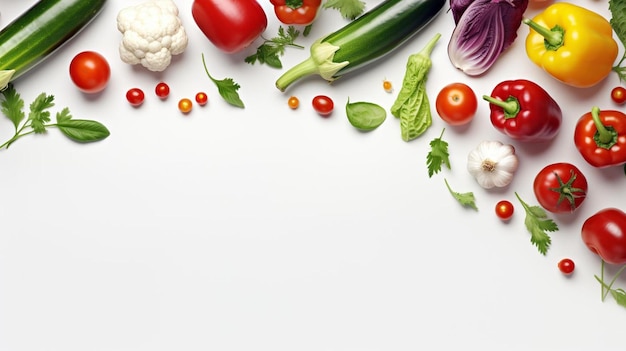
40	31
373	35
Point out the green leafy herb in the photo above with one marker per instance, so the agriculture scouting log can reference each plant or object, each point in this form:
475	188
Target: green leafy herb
438	155
618	22
38	119
365	116
538	223
465	199
270	51
618	294
226	87
412	106
349	9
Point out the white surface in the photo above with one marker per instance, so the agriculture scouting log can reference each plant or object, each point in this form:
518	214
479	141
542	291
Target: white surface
272	229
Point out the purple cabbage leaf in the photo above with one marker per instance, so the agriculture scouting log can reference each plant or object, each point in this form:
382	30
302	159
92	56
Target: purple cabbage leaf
457	7
484	30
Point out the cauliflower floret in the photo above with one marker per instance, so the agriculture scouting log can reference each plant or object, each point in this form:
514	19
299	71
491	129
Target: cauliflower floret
152	34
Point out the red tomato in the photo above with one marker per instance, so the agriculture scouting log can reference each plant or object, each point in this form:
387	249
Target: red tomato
135	96
202	98
504	210
618	94
456	104
560	187
90	72
162	90
566	266
231	25
323	105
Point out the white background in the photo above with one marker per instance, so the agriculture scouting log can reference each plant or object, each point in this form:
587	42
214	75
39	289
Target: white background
266	228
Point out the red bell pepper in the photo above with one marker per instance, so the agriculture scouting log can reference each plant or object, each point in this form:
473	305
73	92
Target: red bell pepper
299	12
604	233
231	25
524	111
600	137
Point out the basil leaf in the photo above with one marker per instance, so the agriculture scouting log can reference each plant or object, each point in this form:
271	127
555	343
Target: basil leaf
83	130
365	116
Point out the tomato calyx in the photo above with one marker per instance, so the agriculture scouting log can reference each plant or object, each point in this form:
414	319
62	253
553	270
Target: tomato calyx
566	191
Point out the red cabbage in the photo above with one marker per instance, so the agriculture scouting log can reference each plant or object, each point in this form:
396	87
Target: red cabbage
484	29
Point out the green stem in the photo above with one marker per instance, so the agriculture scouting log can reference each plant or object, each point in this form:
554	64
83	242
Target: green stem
428	49
553	37
511	106
305	68
605	137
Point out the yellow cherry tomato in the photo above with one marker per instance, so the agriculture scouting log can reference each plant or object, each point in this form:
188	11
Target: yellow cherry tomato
293	102
185	105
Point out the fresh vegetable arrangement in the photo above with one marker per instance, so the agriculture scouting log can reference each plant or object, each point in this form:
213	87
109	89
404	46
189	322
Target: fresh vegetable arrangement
521	113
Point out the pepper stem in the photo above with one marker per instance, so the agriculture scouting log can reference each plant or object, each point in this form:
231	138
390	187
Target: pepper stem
553	37
605	137
510	106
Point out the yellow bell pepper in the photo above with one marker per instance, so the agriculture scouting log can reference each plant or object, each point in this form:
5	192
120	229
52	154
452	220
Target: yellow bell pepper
571	43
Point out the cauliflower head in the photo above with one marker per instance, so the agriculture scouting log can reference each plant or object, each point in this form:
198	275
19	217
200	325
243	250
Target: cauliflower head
152	33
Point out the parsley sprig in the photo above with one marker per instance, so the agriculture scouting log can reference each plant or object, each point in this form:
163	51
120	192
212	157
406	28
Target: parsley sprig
438	155
270	51
466	199
618	22
619	294
349	9
538	223
227	88
39	117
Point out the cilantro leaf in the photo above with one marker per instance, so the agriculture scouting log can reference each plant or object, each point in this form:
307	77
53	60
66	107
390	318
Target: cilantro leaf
438	155
270	51
537	223
465	199
349	9
12	106
39	114
226	87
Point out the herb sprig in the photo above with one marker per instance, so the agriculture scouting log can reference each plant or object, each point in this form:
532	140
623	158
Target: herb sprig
39	117
537	223
619	295
270	51
438	155
349	9
227	88
466	199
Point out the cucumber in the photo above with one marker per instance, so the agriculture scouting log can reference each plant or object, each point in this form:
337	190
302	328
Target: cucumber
375	34
40	31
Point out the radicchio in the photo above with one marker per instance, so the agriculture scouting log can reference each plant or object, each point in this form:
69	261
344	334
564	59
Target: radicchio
484	29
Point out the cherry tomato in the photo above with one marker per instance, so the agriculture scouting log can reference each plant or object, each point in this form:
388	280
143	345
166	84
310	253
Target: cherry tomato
618	94
560	187
293	102
456	104
90	72
135	96
230	25
202	98
504	210
162	90
566	266
387	86
323	105
185	105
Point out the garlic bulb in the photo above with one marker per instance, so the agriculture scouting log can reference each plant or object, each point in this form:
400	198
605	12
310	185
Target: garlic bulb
493	164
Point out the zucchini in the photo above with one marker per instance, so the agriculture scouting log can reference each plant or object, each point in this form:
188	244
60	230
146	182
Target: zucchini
373	35
40	31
